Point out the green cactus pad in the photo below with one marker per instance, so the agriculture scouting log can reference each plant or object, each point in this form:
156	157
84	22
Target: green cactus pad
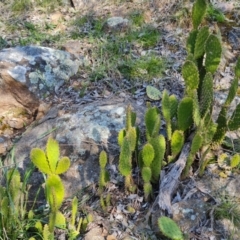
177	142
191	40
198	12
169	228
60	220
128	117
146	174
147	188
152	121
125	163
190	75
235	161
147	154
221	126
200	42
234	122
53	153
206	95
185	113
237	68
159	146
54	192
153	93
103	159
166	108
196	143
213	51
132	137
232	92
63	165
102	178
121	135
196	109
173	105
39	159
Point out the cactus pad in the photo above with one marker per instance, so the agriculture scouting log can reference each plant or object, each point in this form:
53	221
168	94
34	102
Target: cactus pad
213	51
190	75
234	122
206	95
169	228
191	40
200	42
185	113
147	154
198	12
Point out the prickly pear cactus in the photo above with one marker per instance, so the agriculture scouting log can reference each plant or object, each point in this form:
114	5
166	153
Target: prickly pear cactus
169	228
198	12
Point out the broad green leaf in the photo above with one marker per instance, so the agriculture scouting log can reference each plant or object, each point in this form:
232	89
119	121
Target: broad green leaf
153	93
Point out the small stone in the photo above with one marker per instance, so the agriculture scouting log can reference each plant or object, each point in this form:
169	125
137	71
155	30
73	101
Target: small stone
16	123
4	145
117	24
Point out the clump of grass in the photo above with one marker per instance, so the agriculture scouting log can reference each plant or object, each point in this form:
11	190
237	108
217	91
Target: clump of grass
21	5
88	25
148	36
228	209
137	18
144	68
25	5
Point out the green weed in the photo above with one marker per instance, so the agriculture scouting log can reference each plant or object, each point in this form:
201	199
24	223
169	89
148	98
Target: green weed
215	14
137	18
145	68
228	209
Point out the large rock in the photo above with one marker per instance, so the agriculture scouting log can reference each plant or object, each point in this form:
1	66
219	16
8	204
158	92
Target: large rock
43	70
82	132
28	75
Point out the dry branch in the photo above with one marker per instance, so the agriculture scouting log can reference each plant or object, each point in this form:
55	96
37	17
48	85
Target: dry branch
170	181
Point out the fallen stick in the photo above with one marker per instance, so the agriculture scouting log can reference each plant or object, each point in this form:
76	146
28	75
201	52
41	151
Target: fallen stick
170	182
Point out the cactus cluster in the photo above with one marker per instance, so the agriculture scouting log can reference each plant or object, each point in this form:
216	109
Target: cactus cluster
188	119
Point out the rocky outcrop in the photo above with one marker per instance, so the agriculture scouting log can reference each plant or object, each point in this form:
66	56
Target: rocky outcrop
82	132
27	76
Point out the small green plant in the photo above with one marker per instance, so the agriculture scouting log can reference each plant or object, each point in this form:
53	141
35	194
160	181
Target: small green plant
169	228
215	14
50	164
103	180
14	220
